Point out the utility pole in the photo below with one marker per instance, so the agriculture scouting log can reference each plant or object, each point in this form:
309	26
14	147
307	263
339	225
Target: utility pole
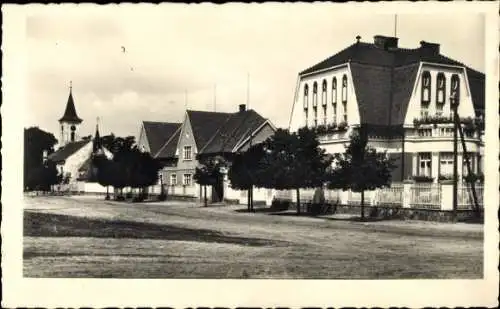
396	25
251	137
248	90
454	106
185	99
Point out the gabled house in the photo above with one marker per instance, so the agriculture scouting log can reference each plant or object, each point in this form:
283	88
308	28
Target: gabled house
160	140
401	97
204	135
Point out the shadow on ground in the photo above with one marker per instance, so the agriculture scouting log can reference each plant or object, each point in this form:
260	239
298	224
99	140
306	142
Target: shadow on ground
256	210
353	218
53	225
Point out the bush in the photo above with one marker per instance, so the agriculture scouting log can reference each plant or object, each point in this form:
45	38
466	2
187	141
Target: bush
128	195
138	198
162	197
280	205
314	209
119	198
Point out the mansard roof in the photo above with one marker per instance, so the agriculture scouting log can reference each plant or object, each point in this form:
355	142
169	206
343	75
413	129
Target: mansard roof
384	75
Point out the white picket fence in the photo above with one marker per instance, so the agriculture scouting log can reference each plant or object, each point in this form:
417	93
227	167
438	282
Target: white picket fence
465	197
425	195
416	196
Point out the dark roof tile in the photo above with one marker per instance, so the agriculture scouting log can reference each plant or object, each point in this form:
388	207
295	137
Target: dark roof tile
158	133
237	127
378	72
66	151
70	111
205	125
167	151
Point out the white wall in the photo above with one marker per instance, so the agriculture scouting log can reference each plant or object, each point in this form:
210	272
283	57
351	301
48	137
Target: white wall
465	109
75	161
264	133
298	115
142	140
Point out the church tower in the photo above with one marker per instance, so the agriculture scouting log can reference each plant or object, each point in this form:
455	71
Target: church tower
69	121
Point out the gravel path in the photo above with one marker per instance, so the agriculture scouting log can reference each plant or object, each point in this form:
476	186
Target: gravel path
90	237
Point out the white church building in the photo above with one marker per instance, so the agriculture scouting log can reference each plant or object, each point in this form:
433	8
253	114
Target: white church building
73	157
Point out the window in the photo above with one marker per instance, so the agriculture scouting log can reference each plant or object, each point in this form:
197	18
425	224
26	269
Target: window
344	107
323	93
323	100
187	153
173	179
186	180
426	88
306	97
424	132
344	97
334	99
306	101
424	164
334	113
315	103
455	88
446	164
344	88
315	94
334	90
440	92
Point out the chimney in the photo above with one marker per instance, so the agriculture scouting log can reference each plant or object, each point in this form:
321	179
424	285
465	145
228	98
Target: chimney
243	107
385	42
429	48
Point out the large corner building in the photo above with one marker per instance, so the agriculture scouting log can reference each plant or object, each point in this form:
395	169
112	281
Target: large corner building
402	97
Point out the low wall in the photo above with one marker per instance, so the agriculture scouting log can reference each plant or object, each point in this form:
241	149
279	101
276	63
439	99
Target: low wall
390	212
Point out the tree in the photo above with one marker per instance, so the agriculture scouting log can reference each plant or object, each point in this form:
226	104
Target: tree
246	170
104	172
145	169
208	174
43	177
285	161
36	141
129	167
296	161
361	168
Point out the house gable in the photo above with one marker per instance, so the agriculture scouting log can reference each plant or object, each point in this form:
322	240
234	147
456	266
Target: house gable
466	106
265	131
186	138
142	141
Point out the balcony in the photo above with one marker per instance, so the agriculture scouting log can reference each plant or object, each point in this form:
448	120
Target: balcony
331	131
440	126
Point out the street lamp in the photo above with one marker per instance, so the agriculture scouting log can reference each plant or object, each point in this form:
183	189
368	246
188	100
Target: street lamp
161	184
454	106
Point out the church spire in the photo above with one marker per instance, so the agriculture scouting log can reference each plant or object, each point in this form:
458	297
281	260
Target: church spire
70	115
97	143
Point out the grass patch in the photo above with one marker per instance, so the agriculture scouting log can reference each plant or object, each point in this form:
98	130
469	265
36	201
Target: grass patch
54	225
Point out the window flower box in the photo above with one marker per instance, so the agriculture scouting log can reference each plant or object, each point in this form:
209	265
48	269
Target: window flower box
427	179
442	178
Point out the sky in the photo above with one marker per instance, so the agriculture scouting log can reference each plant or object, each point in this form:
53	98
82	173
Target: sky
203	57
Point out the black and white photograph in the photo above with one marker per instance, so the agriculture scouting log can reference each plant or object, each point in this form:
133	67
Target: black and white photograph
259	143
